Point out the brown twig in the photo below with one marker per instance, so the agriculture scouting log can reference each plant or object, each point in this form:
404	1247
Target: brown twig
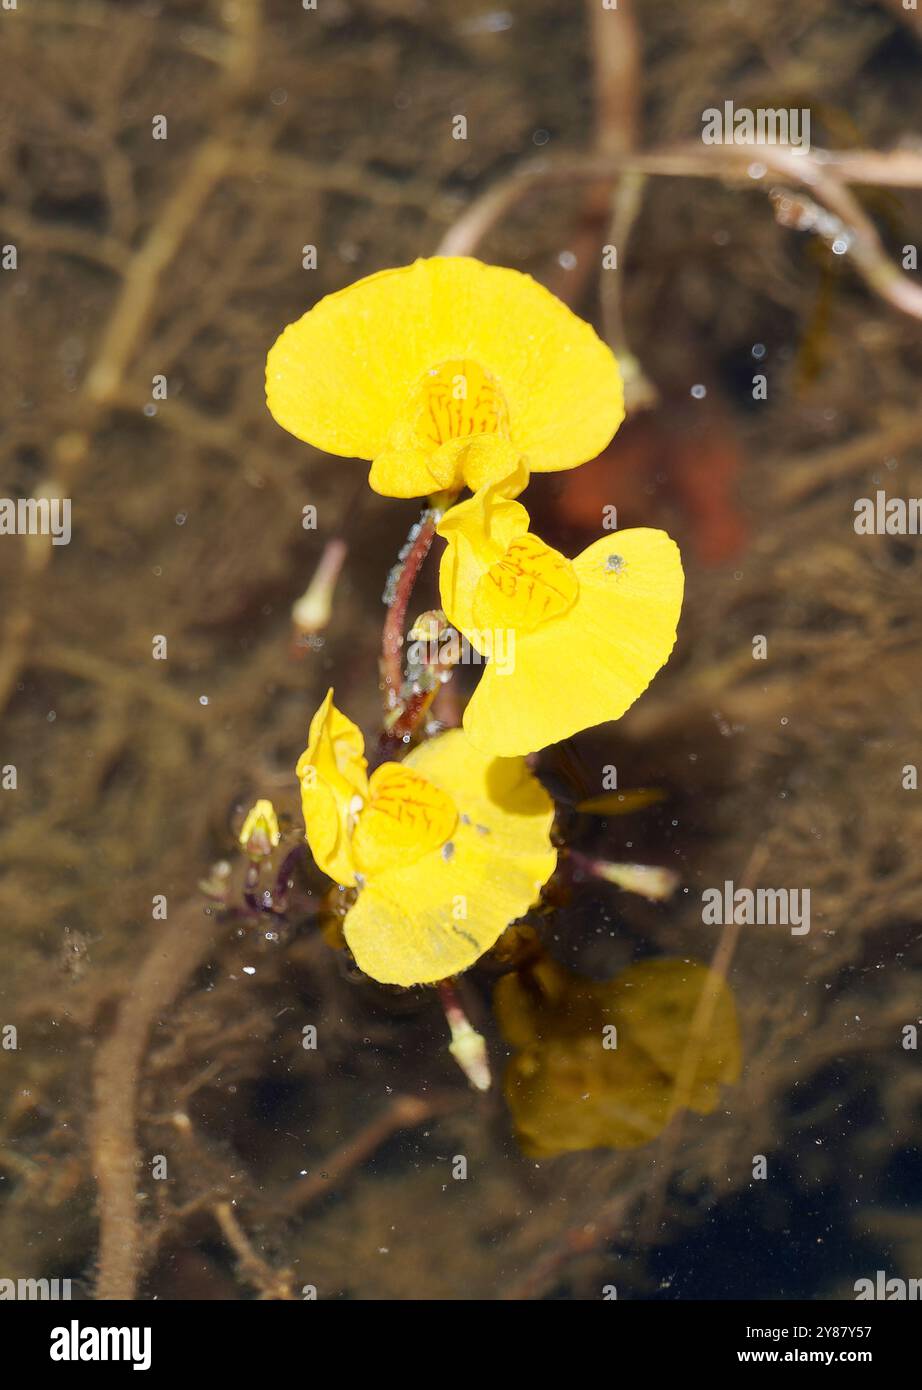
181	946
616	53
131	312
406	1112
809	473
824	173
274	1284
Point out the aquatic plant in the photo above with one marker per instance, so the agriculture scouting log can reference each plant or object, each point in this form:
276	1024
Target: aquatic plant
449	374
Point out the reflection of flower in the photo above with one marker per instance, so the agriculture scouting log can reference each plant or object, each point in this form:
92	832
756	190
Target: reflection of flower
574	1082
445	373
590	633
446	848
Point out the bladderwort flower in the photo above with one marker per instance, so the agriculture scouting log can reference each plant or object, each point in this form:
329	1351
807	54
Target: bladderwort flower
260	833
446	848
589	634
444	374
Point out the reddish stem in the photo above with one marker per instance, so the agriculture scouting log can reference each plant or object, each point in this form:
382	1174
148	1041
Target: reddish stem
411	561
451	1002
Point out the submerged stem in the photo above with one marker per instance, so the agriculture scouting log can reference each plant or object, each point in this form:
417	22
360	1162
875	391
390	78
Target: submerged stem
397	596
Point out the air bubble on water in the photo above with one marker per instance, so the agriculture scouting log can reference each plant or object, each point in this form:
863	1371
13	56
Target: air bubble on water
758	351
784	719
51	716
567	260
203	699
180	518
249	970
150	409
699	392
540	137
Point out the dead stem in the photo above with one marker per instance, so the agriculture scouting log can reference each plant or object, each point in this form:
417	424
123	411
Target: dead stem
617	73
274	1284
824	173
184	943
132	310
405	1112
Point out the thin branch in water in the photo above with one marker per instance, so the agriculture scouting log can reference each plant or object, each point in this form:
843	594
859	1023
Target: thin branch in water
825	173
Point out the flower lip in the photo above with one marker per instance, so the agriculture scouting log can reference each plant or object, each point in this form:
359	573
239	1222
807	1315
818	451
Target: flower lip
405	817
621	608
528	587
457	400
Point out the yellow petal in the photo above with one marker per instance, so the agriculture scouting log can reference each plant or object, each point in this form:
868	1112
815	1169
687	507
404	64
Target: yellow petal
334	785
589	665
479	532
354	373
405	817
261	827
420	922
530	585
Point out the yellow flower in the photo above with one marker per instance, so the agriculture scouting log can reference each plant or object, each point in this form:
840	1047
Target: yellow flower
607	1064
446	848
573	642
445	373
260	830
